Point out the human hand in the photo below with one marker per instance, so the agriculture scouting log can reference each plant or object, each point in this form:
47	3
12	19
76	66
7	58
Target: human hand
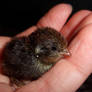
69	73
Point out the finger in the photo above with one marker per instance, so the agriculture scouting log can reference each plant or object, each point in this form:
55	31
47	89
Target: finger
56	17
5	88
4	81
68	74
3	41
73	23
86	21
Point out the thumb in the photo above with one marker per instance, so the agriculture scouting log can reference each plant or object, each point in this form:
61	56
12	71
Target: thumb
4	81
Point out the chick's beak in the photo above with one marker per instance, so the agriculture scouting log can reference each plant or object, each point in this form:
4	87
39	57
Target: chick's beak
65	52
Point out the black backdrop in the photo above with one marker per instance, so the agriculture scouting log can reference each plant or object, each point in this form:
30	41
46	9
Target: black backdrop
16	16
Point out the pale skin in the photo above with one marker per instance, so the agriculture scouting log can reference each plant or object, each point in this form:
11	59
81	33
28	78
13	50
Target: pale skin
68	74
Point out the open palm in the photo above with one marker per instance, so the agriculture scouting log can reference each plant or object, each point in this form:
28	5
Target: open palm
69	73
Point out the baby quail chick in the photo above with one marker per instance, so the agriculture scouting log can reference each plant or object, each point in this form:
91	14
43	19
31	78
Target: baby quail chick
28	58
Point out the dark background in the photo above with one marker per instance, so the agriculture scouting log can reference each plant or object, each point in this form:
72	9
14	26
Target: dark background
16	16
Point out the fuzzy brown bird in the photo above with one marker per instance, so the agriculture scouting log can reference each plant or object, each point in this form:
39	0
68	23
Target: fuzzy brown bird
28	58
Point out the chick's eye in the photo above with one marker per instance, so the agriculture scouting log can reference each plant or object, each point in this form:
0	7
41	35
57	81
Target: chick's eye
54	48
43	48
